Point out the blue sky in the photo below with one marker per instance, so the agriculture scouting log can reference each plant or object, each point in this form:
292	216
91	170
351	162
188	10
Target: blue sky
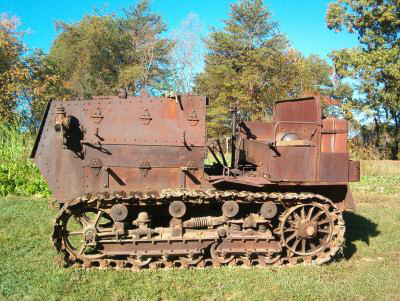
302	21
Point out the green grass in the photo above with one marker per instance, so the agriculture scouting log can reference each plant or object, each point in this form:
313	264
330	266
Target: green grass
381	177
370	270
379	184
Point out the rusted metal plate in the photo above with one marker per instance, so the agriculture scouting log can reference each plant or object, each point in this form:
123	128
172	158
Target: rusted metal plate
308	131
162	132
134	155
354	171
45	148
334	167
334	136
257	130
293	143
68	175
306	109
299	164
135	179
146	121
256	152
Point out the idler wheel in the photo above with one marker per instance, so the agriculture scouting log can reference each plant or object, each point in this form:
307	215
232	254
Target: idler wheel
90	236
79	229
177	209
230	209
119	212
268	210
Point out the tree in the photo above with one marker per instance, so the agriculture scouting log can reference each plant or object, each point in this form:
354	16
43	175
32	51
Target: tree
146	56
102	53
314	75
87	56
13	72
375	64
186	54
44	84
250	62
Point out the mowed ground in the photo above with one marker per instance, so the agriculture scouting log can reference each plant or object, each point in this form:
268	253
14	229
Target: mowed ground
369	268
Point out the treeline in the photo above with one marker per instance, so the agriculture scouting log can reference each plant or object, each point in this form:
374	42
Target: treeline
248	63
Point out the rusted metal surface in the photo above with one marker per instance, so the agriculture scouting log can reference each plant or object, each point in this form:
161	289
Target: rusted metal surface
122	134
130	172
354	171
318	154
334	136
307	109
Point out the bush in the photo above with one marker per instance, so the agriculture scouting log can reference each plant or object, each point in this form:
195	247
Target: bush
18	175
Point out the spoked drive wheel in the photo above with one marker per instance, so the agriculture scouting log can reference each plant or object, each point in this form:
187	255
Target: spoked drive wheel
80	232
306	229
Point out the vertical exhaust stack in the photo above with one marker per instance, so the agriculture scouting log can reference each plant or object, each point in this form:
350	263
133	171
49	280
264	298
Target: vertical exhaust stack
233	111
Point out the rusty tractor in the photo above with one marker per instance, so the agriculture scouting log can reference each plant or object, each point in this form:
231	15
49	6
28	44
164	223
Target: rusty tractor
129	176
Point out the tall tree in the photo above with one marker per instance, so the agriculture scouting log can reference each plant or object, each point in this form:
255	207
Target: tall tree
375	64
87	54
316	75
249	62
146	54
13	71
101	53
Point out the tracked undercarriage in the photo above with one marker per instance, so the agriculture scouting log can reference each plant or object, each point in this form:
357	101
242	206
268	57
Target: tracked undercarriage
139	231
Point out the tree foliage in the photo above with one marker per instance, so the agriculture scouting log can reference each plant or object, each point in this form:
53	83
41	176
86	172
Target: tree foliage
13	72
250	62
101	53
44	84
247	61
375	64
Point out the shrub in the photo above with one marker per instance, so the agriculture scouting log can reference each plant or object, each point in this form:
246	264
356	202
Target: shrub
18	175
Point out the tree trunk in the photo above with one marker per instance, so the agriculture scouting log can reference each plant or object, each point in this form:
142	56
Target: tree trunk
395	144
377	133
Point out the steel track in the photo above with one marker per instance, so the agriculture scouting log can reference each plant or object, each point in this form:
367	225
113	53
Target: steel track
288	200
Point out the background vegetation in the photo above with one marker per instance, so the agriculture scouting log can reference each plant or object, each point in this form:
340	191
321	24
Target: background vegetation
18	175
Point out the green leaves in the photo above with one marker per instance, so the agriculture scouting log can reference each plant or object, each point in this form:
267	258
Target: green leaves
13	72
247	62
251	63
375	65
101	53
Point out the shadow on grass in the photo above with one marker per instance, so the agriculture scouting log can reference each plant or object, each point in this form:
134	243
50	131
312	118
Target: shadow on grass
358	228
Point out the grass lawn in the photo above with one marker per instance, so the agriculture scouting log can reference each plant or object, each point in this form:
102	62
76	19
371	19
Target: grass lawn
369	269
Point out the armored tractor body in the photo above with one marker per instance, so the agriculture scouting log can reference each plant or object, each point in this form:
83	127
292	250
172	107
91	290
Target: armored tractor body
129	176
